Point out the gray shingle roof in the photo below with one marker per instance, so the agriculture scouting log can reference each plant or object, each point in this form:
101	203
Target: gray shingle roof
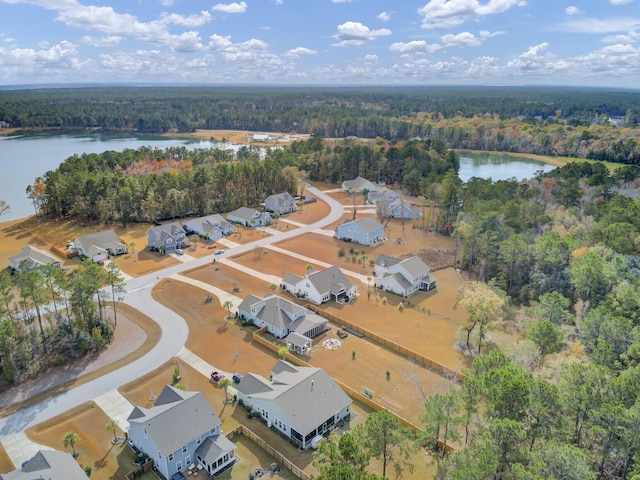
215	447
329	280
177	418
303	324
48	464
245	213
94	242
307	395
34	256
386	261
272	309
415	266
368	224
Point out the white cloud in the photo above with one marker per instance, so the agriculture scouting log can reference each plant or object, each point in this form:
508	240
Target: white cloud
296	52
601	25
57	55
415	46
102	42
572	10
230	7
631	37
384	16
449	13
620	2
355	33
341	1
186	42
464	39
166	3
190	21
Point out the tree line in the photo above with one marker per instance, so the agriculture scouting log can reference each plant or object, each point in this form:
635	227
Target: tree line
550	121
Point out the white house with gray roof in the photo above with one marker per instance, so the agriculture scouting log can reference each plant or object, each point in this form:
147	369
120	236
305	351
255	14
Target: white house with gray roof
167	237
98	246
321	286
382	194
299	402
365	231
402	277
398	208
50	465
280	203
249	217
283	318
32	257
181	430
358	185
212	227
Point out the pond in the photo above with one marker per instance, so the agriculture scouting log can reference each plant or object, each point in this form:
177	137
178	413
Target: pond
499	167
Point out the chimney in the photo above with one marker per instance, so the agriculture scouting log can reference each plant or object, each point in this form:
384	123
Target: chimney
312	385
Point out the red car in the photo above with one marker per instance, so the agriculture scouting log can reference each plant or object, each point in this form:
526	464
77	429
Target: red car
216	376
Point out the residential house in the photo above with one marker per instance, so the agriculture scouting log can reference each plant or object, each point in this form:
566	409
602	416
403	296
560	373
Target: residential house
382	194
358	185
299	402
280	203
321	286
402	277
283	319
249	217
98	246
398	208
212	227
180	430
167	237
365	231
32	257
50	465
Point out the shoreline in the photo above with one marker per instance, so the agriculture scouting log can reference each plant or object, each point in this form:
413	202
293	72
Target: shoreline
532	156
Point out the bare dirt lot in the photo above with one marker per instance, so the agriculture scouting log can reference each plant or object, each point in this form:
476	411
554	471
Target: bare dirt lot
228	278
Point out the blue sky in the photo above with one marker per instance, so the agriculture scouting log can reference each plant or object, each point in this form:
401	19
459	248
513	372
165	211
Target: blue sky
322	42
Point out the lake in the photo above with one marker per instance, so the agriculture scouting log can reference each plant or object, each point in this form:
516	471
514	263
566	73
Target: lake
23	158
499	167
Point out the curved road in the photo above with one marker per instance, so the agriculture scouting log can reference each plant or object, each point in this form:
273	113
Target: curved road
174	331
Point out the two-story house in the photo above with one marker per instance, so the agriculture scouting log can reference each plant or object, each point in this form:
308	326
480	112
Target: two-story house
283	319
299	402
212	227
402	277
398	208
249	217
365	231
50	465
98	246
321	286
280	203
166	238
180	430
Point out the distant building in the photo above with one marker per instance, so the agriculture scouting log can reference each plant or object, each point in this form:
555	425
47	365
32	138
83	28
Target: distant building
212	227
180	430
299	402
365	231
261	137
358	185
382	194
402	277
49	465
398	208
169	237
98	246
280	203
249	217
32	257
321	286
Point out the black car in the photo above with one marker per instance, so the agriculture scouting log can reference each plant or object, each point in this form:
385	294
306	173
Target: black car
237	378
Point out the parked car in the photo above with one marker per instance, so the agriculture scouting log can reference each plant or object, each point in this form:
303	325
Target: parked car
217	376
179	251
219	252
342	334
100	262
237	378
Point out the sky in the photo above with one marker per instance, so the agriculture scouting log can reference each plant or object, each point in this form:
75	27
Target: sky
322	42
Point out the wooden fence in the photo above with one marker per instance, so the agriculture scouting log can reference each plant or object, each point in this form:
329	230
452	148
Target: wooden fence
284	461
416	357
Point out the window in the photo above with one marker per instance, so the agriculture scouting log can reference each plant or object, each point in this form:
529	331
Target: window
179	466
170	457
199	441
184	449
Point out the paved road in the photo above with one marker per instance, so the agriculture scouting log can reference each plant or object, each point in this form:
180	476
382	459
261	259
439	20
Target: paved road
174	332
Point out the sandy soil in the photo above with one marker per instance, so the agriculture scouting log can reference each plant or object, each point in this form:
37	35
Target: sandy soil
228	278
6	465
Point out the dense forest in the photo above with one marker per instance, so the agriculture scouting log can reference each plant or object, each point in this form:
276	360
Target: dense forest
589	123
